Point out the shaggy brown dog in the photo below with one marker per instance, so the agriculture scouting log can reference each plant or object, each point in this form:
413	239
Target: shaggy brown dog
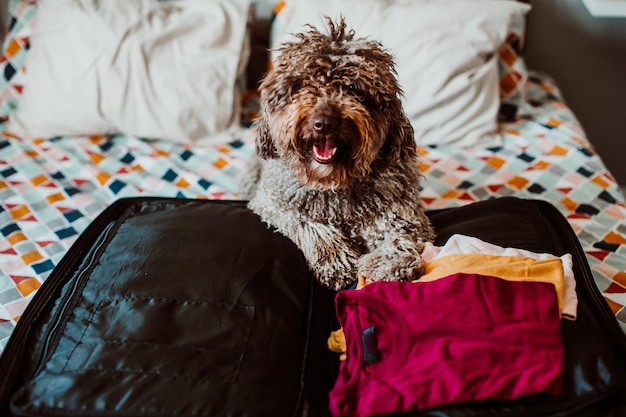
339	175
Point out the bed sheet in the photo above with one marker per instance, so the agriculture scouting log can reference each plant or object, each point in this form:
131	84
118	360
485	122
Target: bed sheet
51	188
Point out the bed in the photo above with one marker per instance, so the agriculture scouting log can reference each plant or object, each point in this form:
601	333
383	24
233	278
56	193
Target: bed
65	156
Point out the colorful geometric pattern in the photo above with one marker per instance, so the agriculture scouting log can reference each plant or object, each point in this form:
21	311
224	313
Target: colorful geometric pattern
511	65
52	188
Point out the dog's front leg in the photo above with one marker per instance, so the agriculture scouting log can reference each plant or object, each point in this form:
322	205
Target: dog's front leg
328	252
396	254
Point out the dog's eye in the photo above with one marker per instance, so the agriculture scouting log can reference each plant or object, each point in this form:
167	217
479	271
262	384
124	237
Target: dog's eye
358	93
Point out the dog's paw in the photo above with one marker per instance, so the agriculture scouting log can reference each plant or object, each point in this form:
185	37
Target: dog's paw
329	254
389	266
336	270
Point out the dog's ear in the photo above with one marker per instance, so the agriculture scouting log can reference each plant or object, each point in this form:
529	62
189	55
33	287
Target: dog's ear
401	139
263	139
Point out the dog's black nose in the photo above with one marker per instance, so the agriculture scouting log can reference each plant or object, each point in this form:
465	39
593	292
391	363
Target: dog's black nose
325	124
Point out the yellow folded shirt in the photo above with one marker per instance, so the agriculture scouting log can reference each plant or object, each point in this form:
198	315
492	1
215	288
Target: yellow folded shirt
510	268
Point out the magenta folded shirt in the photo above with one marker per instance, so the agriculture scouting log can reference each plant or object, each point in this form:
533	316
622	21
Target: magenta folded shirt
463	338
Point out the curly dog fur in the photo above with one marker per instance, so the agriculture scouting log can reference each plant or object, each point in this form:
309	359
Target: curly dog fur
339	173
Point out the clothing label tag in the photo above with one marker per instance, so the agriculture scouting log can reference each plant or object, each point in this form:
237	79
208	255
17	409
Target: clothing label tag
370	346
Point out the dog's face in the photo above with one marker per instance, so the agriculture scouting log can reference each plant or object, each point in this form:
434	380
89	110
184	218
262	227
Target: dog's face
331	109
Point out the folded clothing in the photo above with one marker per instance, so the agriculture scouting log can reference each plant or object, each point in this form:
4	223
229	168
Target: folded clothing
459	244
411	346
510	268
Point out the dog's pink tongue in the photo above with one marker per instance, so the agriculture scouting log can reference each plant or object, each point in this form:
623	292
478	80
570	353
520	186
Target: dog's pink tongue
324	150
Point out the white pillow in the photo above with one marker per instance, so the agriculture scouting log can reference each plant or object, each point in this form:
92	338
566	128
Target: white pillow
147	68
446	57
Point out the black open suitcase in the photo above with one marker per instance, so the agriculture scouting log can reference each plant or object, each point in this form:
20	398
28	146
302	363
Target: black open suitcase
170	307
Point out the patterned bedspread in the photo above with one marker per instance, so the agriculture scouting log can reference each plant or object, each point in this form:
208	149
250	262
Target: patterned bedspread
51	188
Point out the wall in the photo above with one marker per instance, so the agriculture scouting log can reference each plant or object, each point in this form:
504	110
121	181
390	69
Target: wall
587	58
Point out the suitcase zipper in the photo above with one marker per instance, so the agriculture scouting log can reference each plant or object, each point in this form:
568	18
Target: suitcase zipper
52	337
12	357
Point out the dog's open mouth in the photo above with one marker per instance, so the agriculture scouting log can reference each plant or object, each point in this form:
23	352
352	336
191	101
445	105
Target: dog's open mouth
324	150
